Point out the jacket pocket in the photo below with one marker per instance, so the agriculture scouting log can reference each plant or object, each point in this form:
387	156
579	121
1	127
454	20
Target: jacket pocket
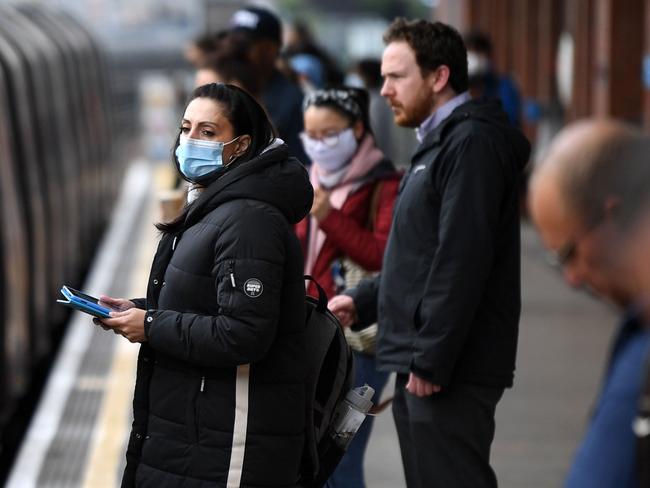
226	286
193	413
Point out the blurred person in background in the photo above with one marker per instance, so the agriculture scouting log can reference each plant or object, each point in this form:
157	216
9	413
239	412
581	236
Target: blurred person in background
220	389
199	49
396	142
584	197
484	81
448	295
261	30
228	63
299	40
345	235
309	71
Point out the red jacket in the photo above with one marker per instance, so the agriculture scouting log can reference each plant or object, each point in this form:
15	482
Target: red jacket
348	234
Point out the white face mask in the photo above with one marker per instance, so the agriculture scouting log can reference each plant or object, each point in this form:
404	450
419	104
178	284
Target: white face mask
333	152
477	64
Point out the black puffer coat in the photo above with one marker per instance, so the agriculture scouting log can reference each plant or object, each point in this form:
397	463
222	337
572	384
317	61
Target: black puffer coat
220	394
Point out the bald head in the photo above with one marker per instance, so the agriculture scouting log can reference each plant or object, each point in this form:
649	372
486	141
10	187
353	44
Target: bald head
585	193
593	161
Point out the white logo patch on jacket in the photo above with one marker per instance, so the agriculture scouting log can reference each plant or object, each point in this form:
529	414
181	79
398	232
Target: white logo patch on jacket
253	288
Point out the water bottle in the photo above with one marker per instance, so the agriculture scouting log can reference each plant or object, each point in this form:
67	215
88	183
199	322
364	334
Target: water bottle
350	414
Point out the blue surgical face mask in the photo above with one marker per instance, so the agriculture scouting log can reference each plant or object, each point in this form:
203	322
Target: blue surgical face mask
198	158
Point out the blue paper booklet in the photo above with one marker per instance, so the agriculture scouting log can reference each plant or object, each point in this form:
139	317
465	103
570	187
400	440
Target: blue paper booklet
80	301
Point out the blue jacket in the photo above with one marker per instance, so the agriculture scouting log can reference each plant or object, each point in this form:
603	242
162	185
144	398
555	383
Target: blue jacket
606	457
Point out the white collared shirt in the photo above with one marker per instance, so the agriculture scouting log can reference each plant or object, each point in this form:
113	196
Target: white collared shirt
434	120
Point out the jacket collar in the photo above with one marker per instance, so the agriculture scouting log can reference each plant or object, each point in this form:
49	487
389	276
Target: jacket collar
209	197
433	138
440	114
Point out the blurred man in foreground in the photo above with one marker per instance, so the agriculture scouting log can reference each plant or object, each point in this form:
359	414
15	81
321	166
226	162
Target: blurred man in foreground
583	199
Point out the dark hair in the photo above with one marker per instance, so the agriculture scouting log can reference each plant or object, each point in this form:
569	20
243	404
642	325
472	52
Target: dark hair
351	102
246	116
237	70
230	61
207	45
208	42
435	44
369	70
478	41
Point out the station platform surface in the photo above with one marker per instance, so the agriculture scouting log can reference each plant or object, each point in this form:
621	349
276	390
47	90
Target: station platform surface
78	435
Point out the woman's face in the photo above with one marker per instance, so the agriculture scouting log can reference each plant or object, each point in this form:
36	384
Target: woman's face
321	122
204	119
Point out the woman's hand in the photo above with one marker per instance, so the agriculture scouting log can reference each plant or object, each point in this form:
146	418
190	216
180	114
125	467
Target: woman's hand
129	324
120	304
322	205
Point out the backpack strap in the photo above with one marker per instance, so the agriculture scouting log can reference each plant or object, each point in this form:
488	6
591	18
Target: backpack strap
322	296
380	407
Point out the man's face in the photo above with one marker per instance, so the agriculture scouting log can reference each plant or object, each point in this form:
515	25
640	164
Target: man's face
636	262
410	96
263	53
586	251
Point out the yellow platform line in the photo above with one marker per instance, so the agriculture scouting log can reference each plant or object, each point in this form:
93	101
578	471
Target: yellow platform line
115	415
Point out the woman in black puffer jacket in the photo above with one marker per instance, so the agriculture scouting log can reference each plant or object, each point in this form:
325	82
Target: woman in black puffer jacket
220	391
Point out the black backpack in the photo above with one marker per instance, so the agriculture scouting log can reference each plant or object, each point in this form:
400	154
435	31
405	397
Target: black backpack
330	377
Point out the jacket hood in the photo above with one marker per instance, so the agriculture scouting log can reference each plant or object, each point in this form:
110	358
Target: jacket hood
273	177
491	112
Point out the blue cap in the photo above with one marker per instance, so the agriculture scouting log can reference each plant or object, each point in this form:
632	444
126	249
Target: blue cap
310	66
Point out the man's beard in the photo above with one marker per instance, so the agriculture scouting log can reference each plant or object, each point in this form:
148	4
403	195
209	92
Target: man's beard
421	110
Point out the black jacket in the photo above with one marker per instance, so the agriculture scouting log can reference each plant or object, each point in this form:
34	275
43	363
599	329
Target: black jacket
283	101
220	389
448	297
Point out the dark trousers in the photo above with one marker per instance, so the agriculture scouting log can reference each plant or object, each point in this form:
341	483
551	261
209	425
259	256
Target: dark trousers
445	438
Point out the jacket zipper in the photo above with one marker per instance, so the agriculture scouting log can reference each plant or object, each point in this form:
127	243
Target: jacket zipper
194	415
197	410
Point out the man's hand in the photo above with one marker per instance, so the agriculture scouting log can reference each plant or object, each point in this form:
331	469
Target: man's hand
129	324
421	388
321	206
342	306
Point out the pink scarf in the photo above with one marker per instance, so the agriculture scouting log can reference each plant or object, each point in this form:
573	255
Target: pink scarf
367	157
